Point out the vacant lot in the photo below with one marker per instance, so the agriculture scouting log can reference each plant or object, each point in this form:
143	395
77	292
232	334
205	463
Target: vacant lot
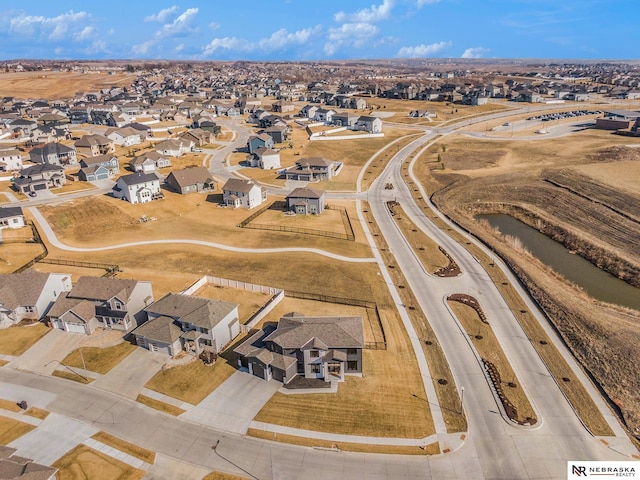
55	85
600	336
328	221
83	463
17	339
15	255
250	302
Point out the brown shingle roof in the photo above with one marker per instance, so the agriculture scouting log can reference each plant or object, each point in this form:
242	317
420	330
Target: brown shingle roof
335	332
191	176
100	288
238	185
201	312
22	288
82	308
161	329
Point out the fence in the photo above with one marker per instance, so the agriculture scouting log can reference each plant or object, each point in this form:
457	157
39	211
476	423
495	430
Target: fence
280	205
110	269
36	239
277	295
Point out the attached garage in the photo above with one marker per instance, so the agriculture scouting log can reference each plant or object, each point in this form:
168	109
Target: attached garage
39	186
76	327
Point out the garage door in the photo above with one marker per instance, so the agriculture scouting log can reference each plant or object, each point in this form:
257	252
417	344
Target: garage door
41	186
75	328
258	371
103	176
160	348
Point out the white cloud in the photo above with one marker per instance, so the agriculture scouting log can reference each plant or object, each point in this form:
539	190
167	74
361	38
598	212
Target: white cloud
422	3
180	27
163	15
374	13
353	34
214	25
475	52
55	28
85	34
282	38
277	41
180	47
420	51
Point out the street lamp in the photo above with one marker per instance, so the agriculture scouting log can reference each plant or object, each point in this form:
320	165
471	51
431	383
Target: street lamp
462	397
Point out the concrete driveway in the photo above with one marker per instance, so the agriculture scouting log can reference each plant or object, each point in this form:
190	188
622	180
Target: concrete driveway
130	375
45	355
232	406
55	436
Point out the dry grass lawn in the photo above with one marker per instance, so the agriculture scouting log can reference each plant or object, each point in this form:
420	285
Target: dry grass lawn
160	406
126	447
250	302
489	349
192	382
86	463
55	85
99	221
3	363
223	476
432	449
22	234
9	405
99	360
15	255
328	221
36	412
11	429
71	187
624	175
76	377
18	339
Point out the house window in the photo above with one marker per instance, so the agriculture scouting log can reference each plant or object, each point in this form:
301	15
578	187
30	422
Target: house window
314	353
352	366
315	368
28	308
352	351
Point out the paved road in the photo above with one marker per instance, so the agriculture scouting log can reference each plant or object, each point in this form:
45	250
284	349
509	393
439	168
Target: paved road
503	450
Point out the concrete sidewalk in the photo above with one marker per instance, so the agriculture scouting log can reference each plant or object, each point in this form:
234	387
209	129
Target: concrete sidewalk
46	354
117	454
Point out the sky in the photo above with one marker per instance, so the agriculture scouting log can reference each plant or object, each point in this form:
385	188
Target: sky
273	30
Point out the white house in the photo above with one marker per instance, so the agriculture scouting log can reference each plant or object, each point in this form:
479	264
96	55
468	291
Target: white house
138	187
242	193
10	160
369	124
11	217
175	147
268	159
30	294
125	136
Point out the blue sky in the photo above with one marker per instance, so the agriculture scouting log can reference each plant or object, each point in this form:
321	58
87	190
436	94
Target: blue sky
320	30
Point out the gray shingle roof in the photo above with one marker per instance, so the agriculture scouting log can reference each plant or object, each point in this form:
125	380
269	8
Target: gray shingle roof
201	312
101	288
22	288
161	329
82	308
238	185
8	212
138	178
191	176
305	193
335	332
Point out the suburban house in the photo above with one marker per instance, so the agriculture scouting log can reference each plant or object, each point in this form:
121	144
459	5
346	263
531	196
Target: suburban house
198	136
101	167
257	141
313	169
16	467
242	193
191	180
10	160
138	188
54	154
282	107
266	158
305	201
279	133
111	303
369	124
324	115
125	136
174	147
309	111
11	217
345	119
326	348
94	145
30	294
40	177
149	162
180	322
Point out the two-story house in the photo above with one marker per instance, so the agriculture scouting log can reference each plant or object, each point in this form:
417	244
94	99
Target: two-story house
191	180
54	154
101	167
10	160
11	217
30	294
125	136
94	145
313	169
149	162
305	201
257	141
182	322
175	147
326	348
138	188
112	303
242	193
40	177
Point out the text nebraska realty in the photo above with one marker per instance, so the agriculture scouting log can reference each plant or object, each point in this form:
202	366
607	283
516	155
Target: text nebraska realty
581	470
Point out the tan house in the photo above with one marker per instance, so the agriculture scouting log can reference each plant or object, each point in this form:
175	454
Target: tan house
94	145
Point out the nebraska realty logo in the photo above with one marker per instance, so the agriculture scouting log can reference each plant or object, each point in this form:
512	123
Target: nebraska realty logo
603	470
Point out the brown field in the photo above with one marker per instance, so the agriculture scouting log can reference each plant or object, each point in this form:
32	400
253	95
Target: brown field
14	255
432	449
250	302
624	175
223	476
17	339
600	336
126	447
55	85
104	220
11	429
489	349
36	412
329	221
9	405
83	462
